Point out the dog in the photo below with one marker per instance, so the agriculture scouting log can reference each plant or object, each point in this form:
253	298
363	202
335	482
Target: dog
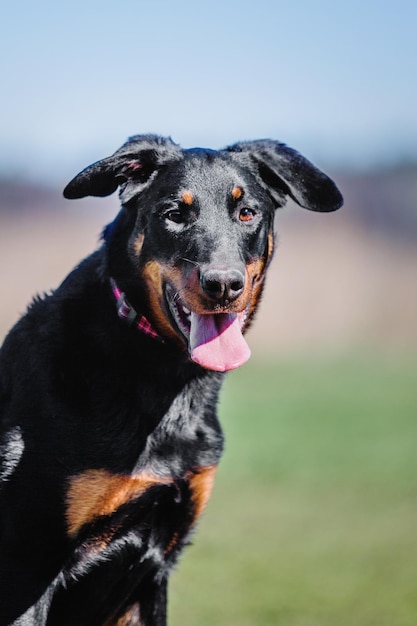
109	438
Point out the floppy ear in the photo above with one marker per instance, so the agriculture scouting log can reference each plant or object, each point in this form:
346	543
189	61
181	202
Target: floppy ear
284	172
130	166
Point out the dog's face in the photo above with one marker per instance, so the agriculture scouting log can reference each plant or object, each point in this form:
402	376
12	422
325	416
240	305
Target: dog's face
201	243
196	233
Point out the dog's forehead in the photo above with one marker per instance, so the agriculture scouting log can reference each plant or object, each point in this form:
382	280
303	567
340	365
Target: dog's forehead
203	167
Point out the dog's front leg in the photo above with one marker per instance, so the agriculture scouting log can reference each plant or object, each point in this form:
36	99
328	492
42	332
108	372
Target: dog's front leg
98	589
149	607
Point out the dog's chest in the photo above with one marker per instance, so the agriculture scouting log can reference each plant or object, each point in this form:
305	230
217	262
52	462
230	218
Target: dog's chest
162	496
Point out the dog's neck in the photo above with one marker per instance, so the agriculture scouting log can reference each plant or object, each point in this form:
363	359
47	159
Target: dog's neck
127	313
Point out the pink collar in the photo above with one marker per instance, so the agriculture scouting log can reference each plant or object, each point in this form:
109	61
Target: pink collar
126	312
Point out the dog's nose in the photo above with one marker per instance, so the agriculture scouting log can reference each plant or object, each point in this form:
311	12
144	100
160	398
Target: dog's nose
224	285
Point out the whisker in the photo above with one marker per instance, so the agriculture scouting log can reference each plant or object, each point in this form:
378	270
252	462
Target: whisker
190	261
177	295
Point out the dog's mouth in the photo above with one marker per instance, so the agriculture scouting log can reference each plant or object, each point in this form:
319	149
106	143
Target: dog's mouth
215	340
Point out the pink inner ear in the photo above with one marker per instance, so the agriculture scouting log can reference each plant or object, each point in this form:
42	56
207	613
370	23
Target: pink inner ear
133	166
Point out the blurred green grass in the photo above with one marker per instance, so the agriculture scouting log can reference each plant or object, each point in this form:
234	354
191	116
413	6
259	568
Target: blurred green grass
313	520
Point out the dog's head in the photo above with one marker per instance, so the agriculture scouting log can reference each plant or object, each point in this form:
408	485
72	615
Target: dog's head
195	233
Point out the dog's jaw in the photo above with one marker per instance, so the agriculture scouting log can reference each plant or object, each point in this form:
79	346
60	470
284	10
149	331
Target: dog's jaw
214	340
180	314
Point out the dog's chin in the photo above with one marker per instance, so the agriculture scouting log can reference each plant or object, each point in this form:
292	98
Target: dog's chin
214	339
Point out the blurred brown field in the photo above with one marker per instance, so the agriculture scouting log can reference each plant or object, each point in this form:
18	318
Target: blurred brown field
333	284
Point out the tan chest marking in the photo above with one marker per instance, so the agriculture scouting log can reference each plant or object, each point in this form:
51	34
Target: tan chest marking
129	618
201	485
95	493
98	492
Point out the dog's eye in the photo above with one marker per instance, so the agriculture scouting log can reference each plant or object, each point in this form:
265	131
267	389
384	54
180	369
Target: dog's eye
175	215
246	214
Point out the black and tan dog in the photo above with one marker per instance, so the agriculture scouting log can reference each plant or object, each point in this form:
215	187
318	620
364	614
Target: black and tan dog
109	438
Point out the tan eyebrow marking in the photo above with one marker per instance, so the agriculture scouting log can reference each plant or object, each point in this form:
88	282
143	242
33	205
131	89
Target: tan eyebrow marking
237	192
187	197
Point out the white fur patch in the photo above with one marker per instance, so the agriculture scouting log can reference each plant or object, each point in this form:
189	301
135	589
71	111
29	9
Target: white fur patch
11	451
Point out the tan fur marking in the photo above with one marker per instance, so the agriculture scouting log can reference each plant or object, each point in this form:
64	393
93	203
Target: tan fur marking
187	198
271	244
172	543
98	543
130	618
237	193
255	269
98	492
138	244
155	275
152	274
201	485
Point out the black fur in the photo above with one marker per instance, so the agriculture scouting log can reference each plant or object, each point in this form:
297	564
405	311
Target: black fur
109	437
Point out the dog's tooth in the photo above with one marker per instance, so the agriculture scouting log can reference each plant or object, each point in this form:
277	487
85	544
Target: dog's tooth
186	311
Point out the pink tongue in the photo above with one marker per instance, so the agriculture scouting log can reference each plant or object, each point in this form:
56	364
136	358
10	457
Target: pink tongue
216	341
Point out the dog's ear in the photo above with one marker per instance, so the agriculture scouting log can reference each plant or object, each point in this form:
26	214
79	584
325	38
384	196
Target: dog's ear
129	167
284	172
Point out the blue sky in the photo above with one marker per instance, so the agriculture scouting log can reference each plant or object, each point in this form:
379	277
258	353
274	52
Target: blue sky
336	79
